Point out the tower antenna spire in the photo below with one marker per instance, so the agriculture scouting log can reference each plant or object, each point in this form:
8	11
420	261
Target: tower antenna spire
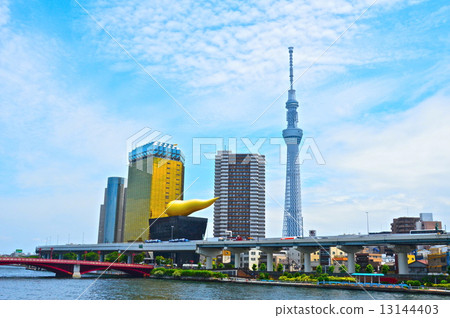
291	68
292	220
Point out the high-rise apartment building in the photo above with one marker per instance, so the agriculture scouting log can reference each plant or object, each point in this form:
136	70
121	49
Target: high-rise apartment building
112	212
404	224
240	185
155	177
407	224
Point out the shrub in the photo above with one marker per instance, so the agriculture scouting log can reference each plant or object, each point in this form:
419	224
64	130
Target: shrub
220	265
264	276
304	278
385	269
177	273
413	282
219	275
169	271
323	277
254	267
443	281
341	279
158	273
439	285
262	267
357	268
161	269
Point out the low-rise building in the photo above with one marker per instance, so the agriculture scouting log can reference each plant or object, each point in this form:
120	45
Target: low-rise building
418	267
364	259
439	262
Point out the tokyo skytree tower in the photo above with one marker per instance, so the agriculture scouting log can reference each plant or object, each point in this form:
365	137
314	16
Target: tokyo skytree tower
293	220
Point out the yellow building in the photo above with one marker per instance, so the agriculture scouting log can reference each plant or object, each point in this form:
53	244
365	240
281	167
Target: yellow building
334	252
155	177
411	258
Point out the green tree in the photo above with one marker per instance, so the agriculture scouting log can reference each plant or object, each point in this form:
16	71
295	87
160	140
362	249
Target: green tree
448	270
139	258
70	255
279	267
319	269
369	268
385	269
55	256
199	265
330	270
357	268
112	257
262	267
254	267
220	266
214	266
91	256
343	269
160	260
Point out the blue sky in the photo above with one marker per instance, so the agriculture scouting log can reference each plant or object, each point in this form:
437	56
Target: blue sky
376	105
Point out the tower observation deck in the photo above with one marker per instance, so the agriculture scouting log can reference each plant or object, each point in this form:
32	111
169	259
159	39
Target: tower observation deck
292	220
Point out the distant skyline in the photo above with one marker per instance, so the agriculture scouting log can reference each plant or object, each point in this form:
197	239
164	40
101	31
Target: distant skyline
375	104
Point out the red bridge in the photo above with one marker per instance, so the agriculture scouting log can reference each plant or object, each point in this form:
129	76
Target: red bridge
74	268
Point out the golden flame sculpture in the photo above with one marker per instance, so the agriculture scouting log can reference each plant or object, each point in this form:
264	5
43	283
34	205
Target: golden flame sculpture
180	207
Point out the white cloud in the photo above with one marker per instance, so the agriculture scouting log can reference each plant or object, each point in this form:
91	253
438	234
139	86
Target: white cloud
383	166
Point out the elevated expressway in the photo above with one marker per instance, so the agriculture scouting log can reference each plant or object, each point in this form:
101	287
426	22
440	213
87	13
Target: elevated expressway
402	244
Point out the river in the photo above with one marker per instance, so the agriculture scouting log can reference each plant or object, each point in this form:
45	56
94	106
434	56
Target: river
19	283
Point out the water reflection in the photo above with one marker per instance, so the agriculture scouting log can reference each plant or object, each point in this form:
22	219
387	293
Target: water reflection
18	283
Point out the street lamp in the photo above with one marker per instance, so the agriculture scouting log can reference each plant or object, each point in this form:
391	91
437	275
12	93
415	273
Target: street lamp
230	233
367	213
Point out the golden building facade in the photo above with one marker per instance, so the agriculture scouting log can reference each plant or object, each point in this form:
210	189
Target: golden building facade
155	177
